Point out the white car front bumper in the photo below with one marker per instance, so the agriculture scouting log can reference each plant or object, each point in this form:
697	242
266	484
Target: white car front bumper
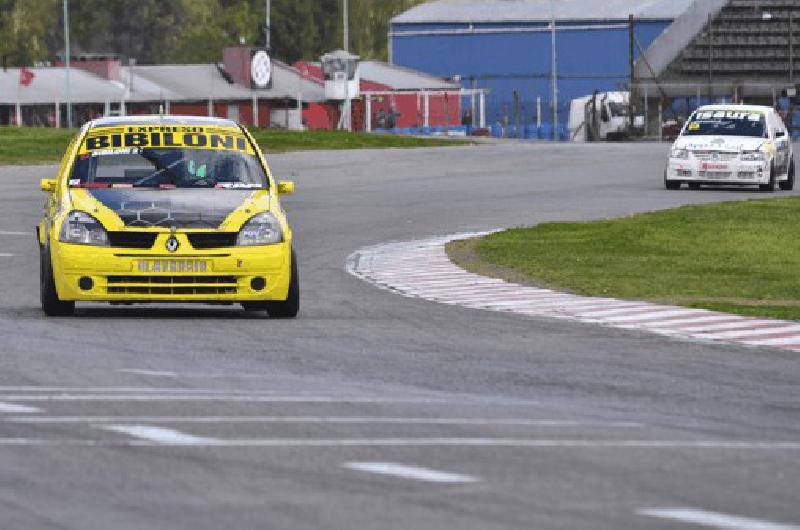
718	171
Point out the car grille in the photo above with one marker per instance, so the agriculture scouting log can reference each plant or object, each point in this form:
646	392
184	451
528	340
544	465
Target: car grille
715	174
715	155
132	239
205	240
172	285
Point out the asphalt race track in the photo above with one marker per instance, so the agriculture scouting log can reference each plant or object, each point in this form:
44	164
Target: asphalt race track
373	410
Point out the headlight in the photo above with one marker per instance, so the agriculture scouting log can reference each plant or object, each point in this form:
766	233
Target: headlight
82	229
262	229
679	153
753	156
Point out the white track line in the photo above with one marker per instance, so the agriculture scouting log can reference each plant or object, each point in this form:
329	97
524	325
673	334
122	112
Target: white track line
12	233
410	472
6	255
154	373
347	420
161	435
422	269
238	398
713	519
533	443
17	409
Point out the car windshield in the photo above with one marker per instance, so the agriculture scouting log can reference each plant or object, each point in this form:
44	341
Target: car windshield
726	123
618	109
167	168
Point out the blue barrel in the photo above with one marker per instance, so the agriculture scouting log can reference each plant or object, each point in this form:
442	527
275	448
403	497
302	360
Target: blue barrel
545	132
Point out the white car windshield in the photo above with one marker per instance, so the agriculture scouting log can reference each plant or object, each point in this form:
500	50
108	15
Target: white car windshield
727	123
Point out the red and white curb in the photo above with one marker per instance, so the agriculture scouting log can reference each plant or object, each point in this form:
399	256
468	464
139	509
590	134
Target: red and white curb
421	269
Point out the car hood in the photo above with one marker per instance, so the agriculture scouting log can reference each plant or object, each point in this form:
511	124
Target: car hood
172	208
719	143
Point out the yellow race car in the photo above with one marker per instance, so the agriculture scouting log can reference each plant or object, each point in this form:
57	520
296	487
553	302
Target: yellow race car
166	209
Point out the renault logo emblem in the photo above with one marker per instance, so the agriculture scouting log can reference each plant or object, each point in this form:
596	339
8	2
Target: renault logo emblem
172	244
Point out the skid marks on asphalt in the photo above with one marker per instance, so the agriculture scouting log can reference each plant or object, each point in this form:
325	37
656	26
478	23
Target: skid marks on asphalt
422	269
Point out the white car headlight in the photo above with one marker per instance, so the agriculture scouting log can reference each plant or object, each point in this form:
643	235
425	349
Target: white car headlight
262	229
753	156
82	229
679	153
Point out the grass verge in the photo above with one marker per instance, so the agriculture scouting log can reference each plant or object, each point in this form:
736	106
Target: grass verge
739	257
32	145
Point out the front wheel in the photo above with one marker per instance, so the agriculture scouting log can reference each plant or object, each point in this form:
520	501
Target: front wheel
788	184
52	305
281	309
769	187
671	184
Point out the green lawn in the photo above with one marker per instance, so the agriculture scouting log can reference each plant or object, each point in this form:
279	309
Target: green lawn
739	257
31	145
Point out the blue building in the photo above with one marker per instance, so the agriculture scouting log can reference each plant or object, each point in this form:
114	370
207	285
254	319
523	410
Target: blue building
505	46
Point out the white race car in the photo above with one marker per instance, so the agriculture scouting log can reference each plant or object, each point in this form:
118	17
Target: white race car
732	145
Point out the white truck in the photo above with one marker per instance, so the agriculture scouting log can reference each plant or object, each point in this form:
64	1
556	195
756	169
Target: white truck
601	116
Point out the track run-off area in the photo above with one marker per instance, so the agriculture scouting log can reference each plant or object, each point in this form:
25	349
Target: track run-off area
375	410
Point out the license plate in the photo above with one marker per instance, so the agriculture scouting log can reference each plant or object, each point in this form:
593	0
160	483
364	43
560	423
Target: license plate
714	167
172	265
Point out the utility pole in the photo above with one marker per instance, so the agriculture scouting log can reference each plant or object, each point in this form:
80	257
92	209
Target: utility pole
554	60
66	63
631	39
268	27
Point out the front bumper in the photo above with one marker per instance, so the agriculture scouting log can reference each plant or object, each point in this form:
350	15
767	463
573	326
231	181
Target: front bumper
722	172
134	275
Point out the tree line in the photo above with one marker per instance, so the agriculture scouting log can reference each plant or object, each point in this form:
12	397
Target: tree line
191	31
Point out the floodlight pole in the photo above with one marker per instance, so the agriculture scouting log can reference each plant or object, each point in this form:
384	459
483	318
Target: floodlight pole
347	109
554	68
268	26
346	26
66	63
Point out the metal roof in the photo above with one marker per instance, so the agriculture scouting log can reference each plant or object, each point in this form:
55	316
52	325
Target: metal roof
400	78
174	82
495	11
201	81
49	83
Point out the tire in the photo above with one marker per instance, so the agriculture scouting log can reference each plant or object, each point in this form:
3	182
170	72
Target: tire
769	187
52	305
283	309
788	184
671	184
291	306
694	185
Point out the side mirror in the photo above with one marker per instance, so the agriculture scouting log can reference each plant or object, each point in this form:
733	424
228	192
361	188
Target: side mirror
780	134
285	187
604	115
47	185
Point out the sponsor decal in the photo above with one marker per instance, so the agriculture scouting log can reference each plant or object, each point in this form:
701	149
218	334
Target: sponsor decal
107	142
238	185
727	115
